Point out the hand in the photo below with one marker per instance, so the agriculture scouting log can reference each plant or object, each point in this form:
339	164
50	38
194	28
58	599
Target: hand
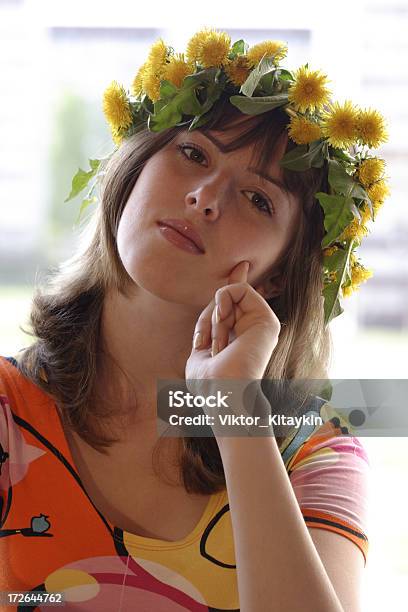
240	345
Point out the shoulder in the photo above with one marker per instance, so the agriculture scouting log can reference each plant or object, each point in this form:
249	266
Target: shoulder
21	399
14	384
8	377
323	432
329	471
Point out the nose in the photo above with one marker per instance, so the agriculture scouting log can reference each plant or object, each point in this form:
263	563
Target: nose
208	198
209	210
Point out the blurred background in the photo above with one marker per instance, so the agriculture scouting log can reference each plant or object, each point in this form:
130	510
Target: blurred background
56	58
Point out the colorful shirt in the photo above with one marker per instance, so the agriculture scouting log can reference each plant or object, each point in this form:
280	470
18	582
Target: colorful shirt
53	538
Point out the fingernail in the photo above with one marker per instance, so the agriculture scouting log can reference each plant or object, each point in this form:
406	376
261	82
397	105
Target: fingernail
197	340
217	314
214	348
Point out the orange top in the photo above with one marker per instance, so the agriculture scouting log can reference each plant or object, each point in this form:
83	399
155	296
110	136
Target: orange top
53	539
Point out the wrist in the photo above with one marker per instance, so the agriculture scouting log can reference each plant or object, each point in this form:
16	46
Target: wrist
246	414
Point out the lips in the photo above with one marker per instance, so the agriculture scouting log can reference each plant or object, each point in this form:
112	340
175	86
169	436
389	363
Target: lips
186	229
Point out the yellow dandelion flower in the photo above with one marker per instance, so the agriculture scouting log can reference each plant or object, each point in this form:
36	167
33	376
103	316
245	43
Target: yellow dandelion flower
330	250
339	124
332	276
237	69
137	84
214	49
359	274
194	45
157	55
354	230
378	192
371	170
309	91
347	291
117	136
275	48
303	131
177	69
357	228
371	128
116	106
150	74
151	85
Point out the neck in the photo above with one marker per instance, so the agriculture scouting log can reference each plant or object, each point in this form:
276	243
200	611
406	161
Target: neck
143	338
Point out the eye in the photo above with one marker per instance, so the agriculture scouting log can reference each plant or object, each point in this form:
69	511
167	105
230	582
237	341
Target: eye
197	152
263	204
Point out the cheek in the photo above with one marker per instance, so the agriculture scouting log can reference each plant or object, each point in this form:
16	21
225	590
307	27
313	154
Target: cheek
262	253
259	245
131	235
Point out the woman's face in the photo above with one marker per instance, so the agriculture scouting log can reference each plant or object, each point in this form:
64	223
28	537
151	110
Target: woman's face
238	214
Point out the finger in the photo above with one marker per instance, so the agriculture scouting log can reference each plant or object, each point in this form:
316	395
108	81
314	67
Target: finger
202	331
202	336
224	301
221	325
239	273
245	300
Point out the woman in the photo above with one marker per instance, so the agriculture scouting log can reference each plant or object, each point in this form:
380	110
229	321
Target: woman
218	523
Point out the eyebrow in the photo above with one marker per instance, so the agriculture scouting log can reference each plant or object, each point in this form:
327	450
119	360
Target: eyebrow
264	175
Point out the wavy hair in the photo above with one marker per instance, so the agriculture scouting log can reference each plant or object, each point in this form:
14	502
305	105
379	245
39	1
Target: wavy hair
64	358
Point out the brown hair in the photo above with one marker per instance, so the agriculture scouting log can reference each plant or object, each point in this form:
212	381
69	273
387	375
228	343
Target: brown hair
65	317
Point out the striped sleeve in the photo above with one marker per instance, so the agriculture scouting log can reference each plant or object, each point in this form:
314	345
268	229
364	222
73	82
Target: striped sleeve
330	476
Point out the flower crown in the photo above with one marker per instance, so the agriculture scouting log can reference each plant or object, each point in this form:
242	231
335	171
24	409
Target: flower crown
173	89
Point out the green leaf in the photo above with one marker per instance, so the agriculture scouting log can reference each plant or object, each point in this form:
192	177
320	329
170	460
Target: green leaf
213	93
158	105
335	261
339	180
85	203
167	89
359	192
332	308
147	104
94	163
256	106
185	100
331	292
189	105
337	215
355	211
82	178
370	207
265	65
238	48
267	83
318	153
198	121
168	116
304	157
342	155
342	183
285	75
203	77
